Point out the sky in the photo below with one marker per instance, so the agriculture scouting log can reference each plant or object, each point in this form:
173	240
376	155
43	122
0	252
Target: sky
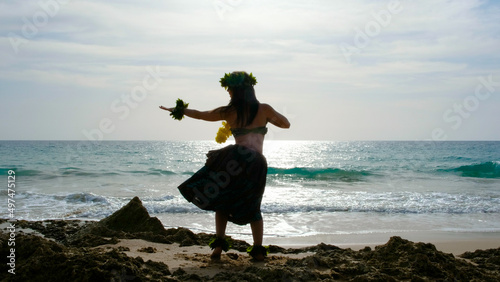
338	70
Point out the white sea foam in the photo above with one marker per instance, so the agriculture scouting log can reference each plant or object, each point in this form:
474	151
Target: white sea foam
313	187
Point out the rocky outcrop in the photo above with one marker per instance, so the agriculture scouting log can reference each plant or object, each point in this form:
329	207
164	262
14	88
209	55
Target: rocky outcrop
65	254
130	222
41	259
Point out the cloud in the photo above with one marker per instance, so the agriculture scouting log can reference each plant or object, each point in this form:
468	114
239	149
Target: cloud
402	52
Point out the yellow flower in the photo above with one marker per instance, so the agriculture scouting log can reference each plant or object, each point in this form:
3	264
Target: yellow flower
223	133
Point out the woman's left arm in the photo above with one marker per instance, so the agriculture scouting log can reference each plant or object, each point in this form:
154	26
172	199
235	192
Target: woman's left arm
212	115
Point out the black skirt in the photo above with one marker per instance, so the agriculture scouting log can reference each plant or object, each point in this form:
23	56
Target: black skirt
233	181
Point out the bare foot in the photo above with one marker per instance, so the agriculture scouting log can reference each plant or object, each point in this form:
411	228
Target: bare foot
259	257
216	253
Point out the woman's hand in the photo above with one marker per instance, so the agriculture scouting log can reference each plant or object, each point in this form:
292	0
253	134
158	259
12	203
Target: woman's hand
166	109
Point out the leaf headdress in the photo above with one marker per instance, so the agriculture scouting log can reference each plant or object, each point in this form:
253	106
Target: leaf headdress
237	79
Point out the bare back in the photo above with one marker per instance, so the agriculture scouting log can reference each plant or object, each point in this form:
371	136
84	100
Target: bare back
264	115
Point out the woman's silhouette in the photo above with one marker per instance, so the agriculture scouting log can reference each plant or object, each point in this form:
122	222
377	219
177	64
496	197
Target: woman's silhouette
233	179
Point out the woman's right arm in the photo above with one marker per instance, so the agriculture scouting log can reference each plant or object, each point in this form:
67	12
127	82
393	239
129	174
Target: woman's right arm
213	115
276	118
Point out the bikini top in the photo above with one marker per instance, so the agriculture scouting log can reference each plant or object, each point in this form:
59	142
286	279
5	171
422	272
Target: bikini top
242	131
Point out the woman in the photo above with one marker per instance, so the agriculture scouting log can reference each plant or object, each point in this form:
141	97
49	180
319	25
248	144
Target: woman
233	179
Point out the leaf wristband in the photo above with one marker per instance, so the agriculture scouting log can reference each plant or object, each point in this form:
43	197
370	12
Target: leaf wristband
178	112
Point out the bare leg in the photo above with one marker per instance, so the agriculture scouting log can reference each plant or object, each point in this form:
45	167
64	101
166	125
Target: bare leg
257	234
220	223
220	231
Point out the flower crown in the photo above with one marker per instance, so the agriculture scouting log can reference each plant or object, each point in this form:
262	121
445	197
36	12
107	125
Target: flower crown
237	79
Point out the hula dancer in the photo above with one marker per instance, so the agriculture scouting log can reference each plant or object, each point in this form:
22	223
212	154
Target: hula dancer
233	179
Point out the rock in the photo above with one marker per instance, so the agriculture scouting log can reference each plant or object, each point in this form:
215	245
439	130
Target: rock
46	260
179	272
236	277
130	222
69	258
487	259
133	218
149	250
233	256
397	260
282	273
55	229
183	236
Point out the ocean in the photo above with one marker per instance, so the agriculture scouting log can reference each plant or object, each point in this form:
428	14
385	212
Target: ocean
315	189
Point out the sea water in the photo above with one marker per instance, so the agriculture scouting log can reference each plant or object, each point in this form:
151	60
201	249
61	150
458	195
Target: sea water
314	188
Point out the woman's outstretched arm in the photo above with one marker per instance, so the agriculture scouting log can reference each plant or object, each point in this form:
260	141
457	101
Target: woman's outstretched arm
212	115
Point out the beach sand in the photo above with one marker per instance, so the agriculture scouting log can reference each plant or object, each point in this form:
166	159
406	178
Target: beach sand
195	259
131	246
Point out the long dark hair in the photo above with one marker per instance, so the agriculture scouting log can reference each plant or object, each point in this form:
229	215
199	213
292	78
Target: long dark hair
244	102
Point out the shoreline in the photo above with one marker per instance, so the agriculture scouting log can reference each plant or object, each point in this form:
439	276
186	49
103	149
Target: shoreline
455	243
447	242
129	244
175	261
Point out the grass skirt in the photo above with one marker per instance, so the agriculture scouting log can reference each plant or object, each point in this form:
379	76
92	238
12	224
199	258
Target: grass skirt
233	180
